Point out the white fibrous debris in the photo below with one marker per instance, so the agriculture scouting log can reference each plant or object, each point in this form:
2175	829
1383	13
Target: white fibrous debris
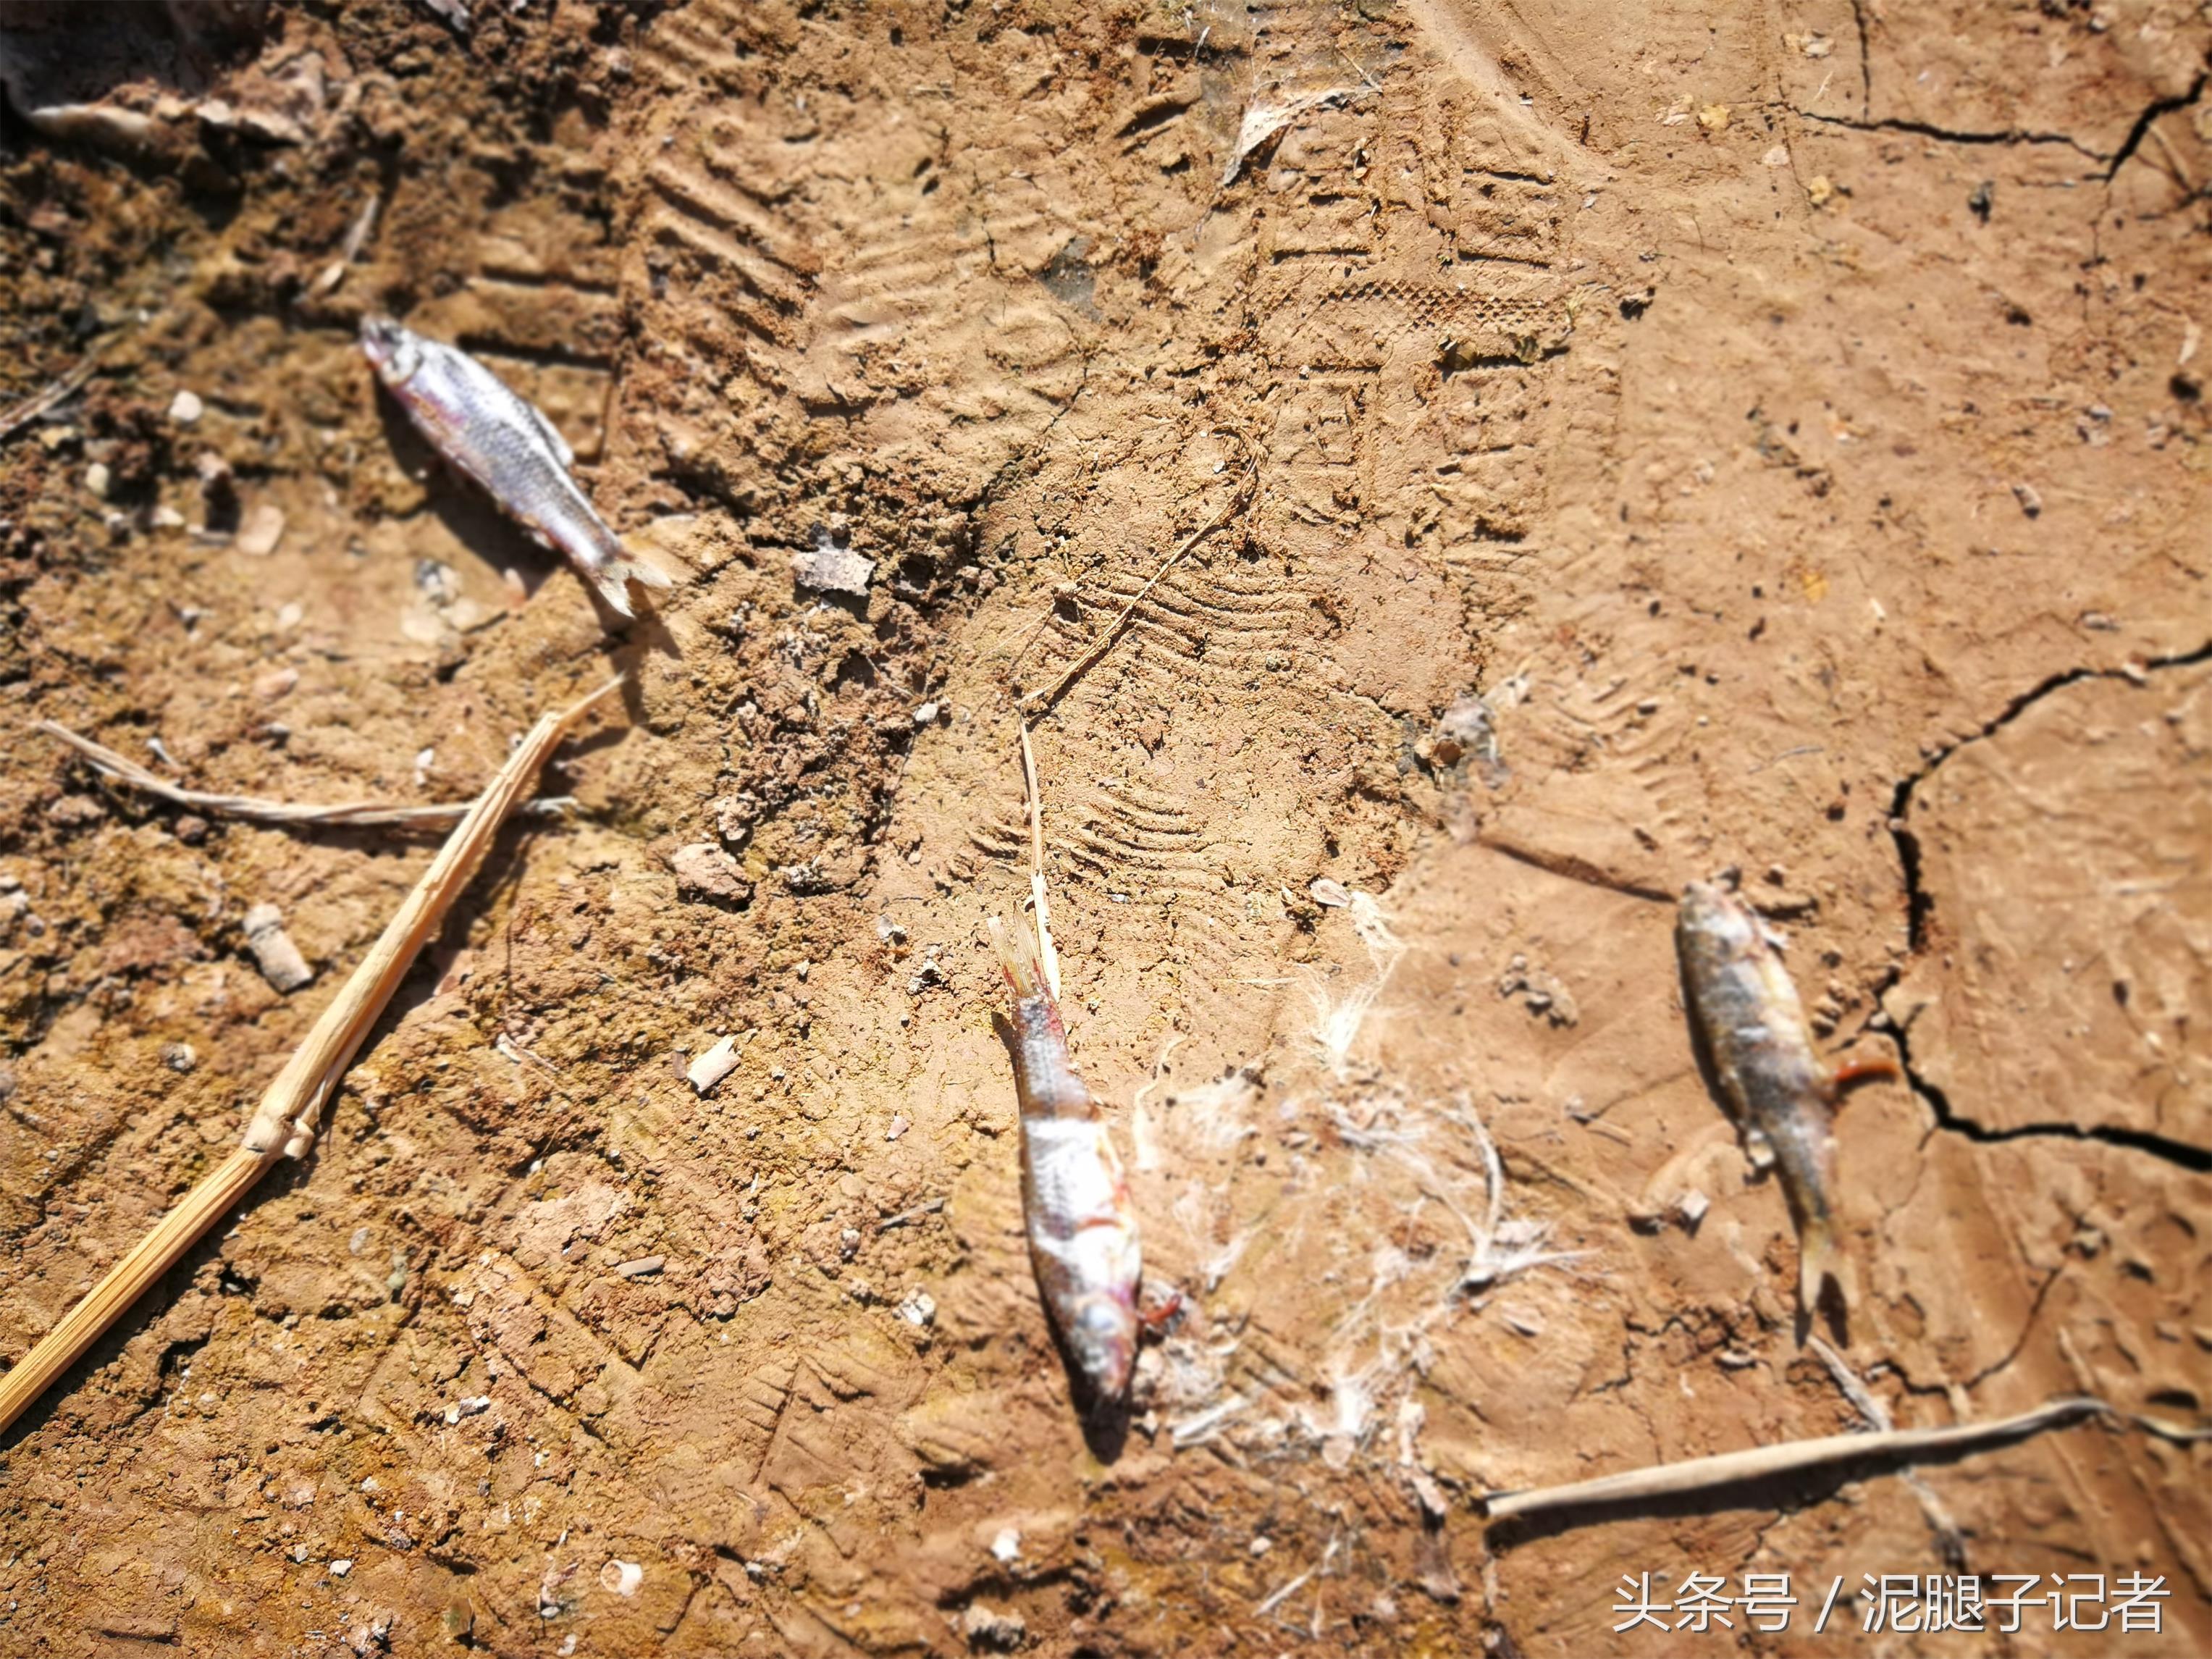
1263	121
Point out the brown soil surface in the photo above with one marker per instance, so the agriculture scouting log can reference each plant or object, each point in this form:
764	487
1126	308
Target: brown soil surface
1789	420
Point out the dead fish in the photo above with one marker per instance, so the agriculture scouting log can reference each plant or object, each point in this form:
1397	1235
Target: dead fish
1749	1032
499	439
1082	1226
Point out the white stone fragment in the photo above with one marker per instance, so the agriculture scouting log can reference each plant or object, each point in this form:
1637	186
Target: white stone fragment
711	1067
278	958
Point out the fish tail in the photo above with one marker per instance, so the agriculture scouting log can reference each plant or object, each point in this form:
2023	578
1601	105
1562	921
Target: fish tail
1821	1257
1017	960
616	569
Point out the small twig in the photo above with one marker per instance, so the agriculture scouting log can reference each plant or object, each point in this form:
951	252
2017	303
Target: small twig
1051	956
1949	1539
1283	1595
1042	702
285	1124
928	1206
39	401
120	768
1698	1475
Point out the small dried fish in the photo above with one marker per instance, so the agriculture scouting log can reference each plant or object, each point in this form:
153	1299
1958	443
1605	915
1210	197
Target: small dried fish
1752	1043
1082	1226
502	440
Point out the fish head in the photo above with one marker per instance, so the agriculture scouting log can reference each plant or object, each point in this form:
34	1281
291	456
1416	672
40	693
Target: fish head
1725	919
394	352
1103	1337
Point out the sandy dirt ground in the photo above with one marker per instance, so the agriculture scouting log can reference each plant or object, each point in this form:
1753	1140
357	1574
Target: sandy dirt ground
1789	421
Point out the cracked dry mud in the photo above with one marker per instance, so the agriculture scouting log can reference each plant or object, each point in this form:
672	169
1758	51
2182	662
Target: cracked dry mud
1791	422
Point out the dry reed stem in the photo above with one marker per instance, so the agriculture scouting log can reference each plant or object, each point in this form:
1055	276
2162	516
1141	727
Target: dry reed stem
1051	958
1698	1475
1246	489
120	768
59	391
285	1124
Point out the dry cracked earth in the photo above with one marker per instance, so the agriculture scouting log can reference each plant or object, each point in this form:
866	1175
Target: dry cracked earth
1787	421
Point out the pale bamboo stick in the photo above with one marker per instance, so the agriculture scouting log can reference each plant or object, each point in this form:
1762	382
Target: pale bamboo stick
1698	1475
285	1124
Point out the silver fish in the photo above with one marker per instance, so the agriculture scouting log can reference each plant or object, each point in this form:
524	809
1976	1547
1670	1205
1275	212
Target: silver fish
499	438
1748	1030
1082	1226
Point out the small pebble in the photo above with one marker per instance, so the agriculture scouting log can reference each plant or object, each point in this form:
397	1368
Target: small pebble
97	479
621	1578
260	530
187	408
341	1567
279	959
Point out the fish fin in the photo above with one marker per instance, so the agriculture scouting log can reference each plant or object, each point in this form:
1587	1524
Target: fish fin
1018	959
1758	1148
1860	1071
1820	1258
613	581
614	577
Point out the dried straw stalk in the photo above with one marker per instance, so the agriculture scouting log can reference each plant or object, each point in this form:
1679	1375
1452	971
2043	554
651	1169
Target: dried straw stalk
121	768
285	1124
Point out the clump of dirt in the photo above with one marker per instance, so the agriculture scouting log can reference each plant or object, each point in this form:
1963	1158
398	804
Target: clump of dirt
1768	443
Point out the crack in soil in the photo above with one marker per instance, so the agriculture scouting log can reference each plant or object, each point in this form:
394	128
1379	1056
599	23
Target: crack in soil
1866	62
1920	905
2152	111
1949	136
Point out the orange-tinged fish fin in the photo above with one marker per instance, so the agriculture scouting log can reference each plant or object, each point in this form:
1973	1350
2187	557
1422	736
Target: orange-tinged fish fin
1018	959
1861	1071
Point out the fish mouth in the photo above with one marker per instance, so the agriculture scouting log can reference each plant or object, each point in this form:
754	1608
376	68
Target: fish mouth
388	348
1104	1337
